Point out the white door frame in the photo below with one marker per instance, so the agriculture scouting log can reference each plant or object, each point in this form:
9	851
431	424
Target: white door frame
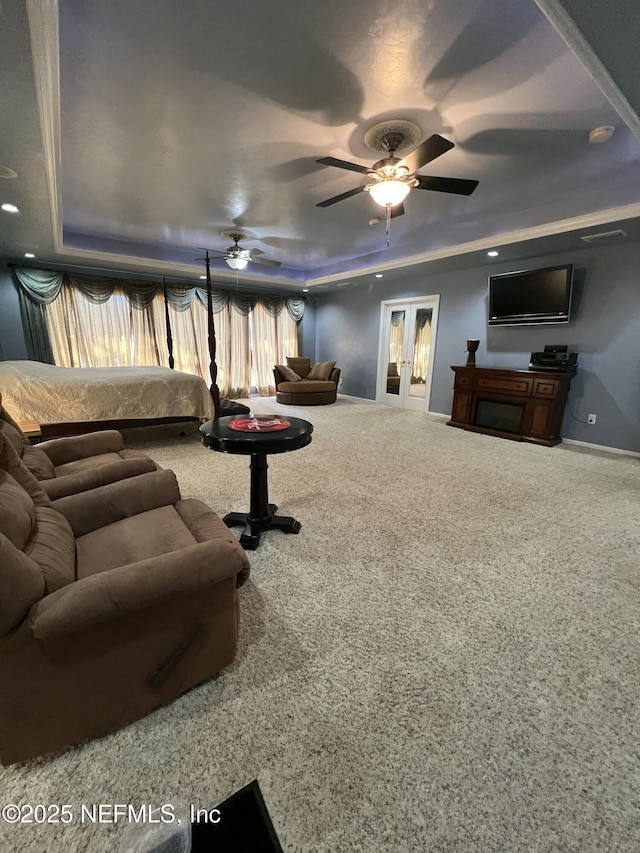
386	308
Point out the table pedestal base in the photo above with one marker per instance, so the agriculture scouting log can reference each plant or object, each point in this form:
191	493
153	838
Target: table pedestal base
253	528
262	515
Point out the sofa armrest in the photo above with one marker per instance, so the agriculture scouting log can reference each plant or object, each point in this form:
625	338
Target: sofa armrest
63	450
108	595
87	511
102	475
334	376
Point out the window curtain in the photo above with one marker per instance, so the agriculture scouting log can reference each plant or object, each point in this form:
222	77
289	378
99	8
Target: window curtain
273	339
88	334
89	321
36	332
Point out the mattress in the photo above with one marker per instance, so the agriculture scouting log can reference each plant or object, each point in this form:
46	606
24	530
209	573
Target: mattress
33	391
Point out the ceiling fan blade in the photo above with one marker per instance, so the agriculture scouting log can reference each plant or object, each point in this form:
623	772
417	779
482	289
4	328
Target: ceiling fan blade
397	210
254	252
340	197
427	151
459	186
343	164
265	261
211	251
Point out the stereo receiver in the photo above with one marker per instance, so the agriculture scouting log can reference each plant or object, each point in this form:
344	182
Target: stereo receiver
560	362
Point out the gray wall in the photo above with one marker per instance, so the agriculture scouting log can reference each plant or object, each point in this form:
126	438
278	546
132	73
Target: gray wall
11	337
605	330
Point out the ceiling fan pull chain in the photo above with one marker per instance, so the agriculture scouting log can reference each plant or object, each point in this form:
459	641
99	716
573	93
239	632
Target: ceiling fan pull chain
388	225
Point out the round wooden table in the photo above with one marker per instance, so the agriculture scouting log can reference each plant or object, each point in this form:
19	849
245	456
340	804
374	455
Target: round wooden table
218	435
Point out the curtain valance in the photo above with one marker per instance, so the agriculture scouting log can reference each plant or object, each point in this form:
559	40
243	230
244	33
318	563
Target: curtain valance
43	286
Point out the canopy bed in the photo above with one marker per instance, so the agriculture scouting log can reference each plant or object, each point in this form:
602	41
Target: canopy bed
70	400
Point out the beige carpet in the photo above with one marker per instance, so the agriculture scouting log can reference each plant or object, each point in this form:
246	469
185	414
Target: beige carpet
446	658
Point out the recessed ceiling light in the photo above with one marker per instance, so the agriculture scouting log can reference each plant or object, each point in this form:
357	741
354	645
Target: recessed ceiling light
375	220
601	134
10	208
379	275
493	253
6	172
29	255
203	277
305	290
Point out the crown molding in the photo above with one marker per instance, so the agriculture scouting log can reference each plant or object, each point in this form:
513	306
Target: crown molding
566	27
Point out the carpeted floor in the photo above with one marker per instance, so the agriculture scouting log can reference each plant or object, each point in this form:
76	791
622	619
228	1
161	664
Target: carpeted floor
446	658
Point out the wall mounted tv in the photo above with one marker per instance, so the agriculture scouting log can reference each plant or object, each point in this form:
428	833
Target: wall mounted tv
529	297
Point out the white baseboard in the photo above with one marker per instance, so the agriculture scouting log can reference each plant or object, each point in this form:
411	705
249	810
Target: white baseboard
604	447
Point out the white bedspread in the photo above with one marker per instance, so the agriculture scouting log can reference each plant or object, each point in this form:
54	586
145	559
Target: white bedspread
32	391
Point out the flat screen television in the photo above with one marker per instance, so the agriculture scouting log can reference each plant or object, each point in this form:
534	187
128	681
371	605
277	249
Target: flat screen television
529	297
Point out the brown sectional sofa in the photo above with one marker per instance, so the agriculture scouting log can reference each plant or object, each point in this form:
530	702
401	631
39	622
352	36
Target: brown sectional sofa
65	466
113	601
305	391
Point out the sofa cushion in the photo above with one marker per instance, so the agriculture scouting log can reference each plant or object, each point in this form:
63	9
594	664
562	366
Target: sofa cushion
287	373
52	548
206	526
321	370
306	386
137	537
13	465
14	436
38	463
17	511
301	365
21	584
87	463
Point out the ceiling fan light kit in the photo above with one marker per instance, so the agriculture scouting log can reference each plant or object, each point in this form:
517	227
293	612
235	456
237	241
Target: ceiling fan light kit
237	263
238	258
392	178
389	192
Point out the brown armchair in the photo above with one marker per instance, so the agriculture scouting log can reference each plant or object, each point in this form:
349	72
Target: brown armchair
300	384
66	466
113	602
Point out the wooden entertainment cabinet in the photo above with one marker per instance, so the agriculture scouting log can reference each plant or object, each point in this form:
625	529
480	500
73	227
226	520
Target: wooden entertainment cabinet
523	405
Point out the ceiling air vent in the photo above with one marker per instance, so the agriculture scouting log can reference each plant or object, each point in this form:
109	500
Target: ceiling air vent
604	235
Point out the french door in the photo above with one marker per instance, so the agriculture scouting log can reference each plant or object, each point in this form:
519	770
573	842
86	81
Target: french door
405	359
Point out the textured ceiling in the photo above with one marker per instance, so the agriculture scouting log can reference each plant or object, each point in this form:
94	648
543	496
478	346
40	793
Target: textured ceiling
176	122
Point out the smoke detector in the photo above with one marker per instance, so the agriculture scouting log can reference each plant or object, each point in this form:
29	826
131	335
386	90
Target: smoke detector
601	134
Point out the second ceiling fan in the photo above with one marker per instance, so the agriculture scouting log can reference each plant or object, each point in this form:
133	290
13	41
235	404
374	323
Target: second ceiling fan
237	257
392	178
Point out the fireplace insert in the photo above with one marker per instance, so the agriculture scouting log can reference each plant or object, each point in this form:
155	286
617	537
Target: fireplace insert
504	417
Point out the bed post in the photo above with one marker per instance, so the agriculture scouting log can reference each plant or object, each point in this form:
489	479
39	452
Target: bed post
213	368
168	325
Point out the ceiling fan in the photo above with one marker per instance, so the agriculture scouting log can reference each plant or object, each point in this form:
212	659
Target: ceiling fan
237	257
392	178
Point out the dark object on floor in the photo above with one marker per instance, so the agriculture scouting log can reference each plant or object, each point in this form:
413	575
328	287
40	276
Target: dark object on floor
230	407
244	826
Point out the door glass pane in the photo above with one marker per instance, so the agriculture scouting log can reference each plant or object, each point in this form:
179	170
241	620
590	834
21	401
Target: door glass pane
421	352
396	336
